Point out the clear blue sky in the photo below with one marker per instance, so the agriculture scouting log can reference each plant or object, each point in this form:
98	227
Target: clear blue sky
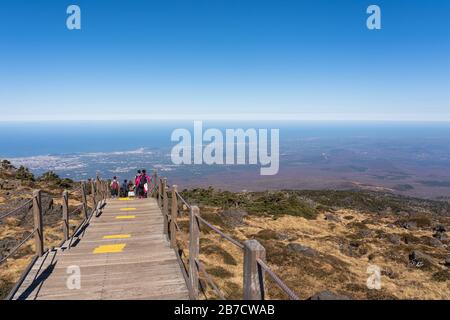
314	58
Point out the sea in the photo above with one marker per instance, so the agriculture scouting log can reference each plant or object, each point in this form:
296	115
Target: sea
407	158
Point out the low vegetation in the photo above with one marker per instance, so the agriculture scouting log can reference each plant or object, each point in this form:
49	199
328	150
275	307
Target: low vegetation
325	240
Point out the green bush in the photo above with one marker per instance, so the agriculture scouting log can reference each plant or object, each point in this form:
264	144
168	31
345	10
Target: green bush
24	174
50	176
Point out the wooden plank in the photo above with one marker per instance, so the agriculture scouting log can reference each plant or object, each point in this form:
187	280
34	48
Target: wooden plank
144	267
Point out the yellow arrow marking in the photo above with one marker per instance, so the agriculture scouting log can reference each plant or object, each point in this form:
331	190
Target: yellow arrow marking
111	248
125	217
124	199
127	209
118	236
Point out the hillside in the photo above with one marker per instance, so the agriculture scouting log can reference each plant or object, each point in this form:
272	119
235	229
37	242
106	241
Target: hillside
326	240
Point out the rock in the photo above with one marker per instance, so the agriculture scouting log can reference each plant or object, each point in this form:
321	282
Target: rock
447	262
286	236
393	238
353	249
332	217
307	251
440	228
365	233
410	239
420	259
410	225
328	295
10	185
434	242
389	273
440	235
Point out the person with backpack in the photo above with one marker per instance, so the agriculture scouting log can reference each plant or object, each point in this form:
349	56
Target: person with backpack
143	184
124	188
114	187
136	180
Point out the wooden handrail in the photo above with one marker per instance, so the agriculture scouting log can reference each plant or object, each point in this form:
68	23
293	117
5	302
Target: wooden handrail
16	209
99	193
254	268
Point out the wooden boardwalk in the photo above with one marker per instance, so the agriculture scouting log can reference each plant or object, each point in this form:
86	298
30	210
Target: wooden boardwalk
122	254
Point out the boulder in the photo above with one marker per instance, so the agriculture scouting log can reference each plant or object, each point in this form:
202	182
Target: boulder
393	238
420	259
332	217
353	249
440	233
434	242
328	295
410	225
307	251
440	228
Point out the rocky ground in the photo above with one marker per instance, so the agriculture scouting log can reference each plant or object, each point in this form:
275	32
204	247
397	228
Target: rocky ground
16	188
324	243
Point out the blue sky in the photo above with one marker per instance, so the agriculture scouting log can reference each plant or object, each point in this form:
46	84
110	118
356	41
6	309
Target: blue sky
240	59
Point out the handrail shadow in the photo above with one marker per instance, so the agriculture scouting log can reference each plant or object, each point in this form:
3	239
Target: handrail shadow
39	280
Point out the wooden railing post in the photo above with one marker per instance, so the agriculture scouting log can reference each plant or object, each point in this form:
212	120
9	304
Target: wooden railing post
194	247
154	184
84	200
173	217
104	190
65	209
165	208
159	192
253	274
93	194
37	216
97	190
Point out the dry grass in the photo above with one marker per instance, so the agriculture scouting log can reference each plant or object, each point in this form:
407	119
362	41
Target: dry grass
331	268
12	228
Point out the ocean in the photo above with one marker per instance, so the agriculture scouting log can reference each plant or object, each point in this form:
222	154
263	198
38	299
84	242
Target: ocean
409	158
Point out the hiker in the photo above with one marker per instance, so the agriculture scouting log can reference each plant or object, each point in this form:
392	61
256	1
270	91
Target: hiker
131	186
114	187
124	188
136	178
142	184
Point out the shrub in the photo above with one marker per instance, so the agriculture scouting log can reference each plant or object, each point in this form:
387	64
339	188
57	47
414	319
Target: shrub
50	176
24	174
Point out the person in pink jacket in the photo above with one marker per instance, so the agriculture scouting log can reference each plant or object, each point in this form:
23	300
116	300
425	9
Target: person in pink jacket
143	183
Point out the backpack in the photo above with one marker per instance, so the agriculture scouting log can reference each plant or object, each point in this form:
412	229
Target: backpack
142	181
115	185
